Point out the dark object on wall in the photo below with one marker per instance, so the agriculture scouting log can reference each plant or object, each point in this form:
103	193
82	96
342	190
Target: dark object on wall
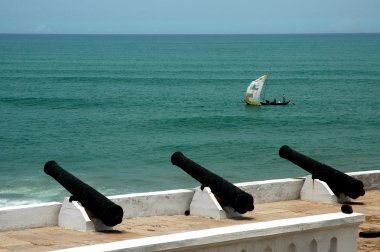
347	209
93	201
369	234
226	193
338	181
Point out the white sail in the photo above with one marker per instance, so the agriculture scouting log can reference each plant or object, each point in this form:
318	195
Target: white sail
254	90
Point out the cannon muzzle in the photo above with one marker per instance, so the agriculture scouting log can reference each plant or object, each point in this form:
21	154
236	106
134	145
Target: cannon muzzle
100	206
226	193
338	181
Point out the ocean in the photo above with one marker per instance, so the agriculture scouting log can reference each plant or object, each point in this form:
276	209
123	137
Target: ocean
112	109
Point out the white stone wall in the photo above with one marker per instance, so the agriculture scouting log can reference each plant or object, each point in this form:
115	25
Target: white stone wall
319	233
370	179
176	202
172	202
29	216
273	190
339	239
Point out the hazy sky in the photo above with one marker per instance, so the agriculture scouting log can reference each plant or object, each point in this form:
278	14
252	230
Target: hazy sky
192	16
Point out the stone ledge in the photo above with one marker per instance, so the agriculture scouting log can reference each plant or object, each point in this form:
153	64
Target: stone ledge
161	203
29	216
239	235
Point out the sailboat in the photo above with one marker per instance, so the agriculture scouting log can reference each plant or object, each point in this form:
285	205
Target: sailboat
253	94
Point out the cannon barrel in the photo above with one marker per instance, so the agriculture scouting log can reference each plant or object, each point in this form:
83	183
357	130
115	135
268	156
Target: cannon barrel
100	206
338	181
226	193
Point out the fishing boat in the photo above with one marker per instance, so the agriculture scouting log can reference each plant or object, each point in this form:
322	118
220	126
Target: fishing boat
266	102
253	94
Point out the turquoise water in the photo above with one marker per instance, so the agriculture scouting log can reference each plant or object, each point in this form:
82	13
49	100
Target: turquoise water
113	109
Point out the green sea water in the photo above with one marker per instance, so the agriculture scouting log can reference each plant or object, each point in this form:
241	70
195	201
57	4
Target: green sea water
112	109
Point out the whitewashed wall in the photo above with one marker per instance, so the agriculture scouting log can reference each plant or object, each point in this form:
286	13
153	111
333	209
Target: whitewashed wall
173	202
336	232
29	216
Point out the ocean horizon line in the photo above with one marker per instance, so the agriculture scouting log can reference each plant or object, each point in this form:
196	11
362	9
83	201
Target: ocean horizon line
192	34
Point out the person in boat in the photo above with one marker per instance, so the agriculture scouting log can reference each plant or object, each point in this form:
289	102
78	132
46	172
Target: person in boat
274	101
283	99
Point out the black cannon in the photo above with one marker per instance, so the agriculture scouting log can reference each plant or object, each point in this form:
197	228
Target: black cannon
93	201
338	181
226	193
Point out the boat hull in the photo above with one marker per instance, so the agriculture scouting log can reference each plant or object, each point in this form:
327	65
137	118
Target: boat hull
275	103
